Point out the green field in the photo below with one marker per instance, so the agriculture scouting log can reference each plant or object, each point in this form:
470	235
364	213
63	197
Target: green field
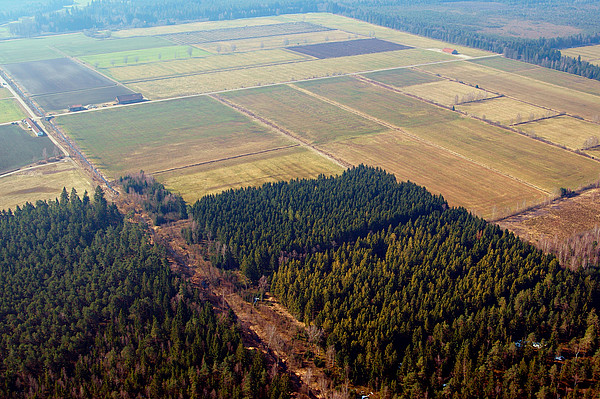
144	56
42	183
5	93
10	110
461	182
163	135
402	77
310	119
254	170
19	148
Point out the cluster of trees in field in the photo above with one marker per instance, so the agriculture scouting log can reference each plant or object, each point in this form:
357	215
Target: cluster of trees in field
256	229
162	205
89	308
421	300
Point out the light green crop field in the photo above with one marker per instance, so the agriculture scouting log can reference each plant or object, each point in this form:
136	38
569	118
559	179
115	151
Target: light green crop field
563	130
163	135
447	92
5	93
523	88
558	78
19	148
251	77
10	110
504	110
22	50
461	182
310	119
254	170
402	77
173	68
403	111
42	183
156	54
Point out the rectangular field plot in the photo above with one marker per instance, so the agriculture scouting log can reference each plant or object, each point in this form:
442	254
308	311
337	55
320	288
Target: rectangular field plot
254	170
504	110
5	93
10	110
348	48
62	101
174	68
42	183
23	50
523	88
265	75
165	135
245	32
588	53
447	92
306	117
461	182
504	64
563	130
402	77
157	54
19	148
401	110
263	43
521	157
55	76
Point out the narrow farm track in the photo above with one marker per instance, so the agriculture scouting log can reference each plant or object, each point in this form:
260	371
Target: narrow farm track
275	127
412	136
225	159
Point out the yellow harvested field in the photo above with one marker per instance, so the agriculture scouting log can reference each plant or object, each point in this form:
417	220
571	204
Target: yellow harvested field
42	183
270	42
523	88
563	130
523	158
286	164
504	110
447	92
461	182
366	29
188	66
587	53
195	26
260	76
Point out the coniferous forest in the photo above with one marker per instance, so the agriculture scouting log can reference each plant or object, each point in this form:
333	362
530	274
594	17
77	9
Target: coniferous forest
413	297
89	308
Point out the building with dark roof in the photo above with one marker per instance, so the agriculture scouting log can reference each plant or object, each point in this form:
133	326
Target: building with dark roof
130	98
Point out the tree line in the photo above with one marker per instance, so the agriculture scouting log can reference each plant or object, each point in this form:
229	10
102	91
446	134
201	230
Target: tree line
89	308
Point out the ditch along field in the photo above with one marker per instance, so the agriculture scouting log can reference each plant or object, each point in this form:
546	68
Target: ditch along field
43	182
505	110
20	148
160	136
590	54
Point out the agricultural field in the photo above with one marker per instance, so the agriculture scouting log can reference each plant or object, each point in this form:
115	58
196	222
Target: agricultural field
5	93
143	56
19	148
158	136
564	130
448	93
523	88
310	119
10	110
211	178
587	53
504	110
251	77
461	182
403	77
348	48
61	101
42	183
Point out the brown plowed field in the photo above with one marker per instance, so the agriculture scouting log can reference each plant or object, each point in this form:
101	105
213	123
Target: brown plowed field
348	48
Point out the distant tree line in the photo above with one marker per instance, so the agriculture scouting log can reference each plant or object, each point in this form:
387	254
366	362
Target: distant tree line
89	308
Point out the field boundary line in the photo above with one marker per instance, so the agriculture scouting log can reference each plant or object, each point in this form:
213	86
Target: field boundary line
225	159
539	119
275	127
413	136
